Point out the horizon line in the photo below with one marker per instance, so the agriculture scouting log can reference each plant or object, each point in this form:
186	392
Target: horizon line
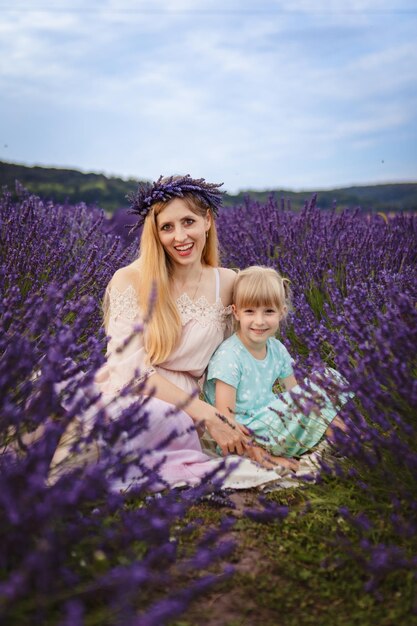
245	190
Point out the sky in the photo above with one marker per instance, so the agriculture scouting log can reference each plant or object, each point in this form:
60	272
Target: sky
258	94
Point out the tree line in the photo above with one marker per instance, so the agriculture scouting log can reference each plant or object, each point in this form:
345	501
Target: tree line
109	192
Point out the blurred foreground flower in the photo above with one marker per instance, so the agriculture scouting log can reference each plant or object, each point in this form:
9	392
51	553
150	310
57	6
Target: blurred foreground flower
72	545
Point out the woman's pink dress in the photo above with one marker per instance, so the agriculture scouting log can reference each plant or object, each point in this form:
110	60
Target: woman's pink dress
203	329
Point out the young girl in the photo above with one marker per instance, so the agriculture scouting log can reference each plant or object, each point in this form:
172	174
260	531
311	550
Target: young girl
243	370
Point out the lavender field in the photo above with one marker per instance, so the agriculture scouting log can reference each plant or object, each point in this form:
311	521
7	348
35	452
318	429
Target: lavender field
77	552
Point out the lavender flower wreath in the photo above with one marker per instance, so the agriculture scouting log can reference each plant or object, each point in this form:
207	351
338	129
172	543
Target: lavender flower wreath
163	190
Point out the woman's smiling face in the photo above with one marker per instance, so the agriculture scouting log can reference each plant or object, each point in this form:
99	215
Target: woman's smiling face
182	232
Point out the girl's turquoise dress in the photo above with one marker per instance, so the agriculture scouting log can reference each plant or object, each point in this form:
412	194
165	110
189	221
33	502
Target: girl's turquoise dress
287	424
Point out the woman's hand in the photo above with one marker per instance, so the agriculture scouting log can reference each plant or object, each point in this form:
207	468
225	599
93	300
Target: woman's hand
226	432
269	461
231	437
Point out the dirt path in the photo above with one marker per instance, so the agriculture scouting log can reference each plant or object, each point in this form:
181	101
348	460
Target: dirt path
232	605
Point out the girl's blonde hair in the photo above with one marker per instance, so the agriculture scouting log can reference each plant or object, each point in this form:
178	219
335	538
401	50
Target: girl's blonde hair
262	286
163	328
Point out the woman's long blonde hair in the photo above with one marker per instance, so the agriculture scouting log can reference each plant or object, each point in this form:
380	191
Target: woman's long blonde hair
163	328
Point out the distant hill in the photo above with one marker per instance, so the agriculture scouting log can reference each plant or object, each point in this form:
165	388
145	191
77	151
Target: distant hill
64	184
390	197
110	192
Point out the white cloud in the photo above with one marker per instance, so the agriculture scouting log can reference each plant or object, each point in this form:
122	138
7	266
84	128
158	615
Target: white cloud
146	87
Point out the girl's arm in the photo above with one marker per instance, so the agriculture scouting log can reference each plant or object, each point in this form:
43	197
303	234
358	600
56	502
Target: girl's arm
289	382
225	399
226	404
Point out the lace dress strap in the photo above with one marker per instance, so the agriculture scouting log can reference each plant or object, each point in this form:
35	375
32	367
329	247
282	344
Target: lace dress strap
217	275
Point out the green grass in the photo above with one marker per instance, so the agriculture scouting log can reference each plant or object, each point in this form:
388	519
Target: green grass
294	572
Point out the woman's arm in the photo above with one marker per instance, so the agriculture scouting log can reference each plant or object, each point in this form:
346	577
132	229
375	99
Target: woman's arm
229	435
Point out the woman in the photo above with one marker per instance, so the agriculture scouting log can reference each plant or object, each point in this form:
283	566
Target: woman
183	324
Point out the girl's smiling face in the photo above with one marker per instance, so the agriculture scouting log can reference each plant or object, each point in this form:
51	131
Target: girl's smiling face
256	325
182	232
